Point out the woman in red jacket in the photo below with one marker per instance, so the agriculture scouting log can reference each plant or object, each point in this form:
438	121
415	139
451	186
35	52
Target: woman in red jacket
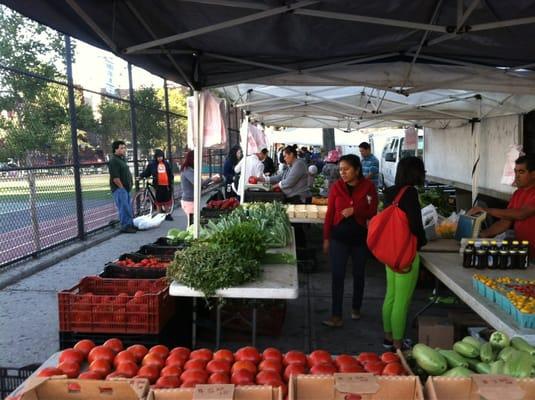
352	201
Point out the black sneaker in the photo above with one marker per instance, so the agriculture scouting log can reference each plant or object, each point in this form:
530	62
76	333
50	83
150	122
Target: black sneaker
405	345
169	217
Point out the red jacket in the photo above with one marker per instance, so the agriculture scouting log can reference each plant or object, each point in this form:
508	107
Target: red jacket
339	199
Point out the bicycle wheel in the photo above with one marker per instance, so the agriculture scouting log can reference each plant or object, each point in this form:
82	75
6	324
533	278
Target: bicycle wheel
142	204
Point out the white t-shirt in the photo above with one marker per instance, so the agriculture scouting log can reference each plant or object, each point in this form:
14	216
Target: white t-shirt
253	167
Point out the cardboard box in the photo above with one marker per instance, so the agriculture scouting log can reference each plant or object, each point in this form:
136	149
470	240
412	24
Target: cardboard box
489	387
78	389
462	320
217	392
368	386
435	332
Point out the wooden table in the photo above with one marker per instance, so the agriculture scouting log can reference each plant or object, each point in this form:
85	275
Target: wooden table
448	270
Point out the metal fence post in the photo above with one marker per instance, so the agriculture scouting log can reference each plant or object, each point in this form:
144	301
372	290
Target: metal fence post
133	123
74	141
210	163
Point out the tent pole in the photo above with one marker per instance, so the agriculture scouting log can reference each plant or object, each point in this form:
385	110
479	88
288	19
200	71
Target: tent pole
198	128
476	138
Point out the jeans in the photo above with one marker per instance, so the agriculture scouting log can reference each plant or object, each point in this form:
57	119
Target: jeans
123	203
339	254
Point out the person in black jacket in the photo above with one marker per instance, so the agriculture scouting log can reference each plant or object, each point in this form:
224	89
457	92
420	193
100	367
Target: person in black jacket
162	180
400	286
269	165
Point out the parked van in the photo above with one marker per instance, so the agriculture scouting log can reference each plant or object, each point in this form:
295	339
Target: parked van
393	152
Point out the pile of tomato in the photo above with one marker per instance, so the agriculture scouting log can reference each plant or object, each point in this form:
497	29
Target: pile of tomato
182	367
149	262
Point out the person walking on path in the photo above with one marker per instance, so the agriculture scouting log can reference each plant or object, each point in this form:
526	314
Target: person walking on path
352	202
120	185
162	180
400	286
370	163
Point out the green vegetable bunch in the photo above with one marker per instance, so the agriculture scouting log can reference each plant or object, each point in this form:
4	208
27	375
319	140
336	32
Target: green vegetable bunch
208	266
244	237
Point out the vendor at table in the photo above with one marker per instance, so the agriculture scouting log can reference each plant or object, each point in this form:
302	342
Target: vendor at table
293	181
520	213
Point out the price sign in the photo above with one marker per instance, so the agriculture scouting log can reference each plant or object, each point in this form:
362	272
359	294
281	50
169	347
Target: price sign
213	392
497	387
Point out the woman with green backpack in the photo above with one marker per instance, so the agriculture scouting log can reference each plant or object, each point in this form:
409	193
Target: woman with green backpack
400	285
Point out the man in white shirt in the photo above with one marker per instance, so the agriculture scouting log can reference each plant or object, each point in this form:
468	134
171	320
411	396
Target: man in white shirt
253	167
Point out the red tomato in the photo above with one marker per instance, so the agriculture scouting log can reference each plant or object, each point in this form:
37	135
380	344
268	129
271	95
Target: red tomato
139	351
89	375
160	350
218	378
128	368
122	298
247	365
195	364
69	368
181	351
389	357
194	375
84	346
375	367
319	357
267	377
218	366
101	367
114	345
323	369
168	382
171	370
393	368
201	354
224	355
242	377
71	355
248	353
351	368
293	369
148	372
366	357
294	357
139	293
253	180
123	356
50	371
175	359
153	359
100	353
114	375
344	359
272	353
270	365
351	396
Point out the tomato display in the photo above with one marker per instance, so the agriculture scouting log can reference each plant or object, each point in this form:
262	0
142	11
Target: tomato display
149	262
180	367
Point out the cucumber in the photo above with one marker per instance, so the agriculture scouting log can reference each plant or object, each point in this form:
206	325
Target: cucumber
430	360
473	341
496	368
458	372
483	368
486	353
453	359
466	349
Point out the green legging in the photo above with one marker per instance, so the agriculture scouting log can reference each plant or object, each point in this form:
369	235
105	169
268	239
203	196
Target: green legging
399	290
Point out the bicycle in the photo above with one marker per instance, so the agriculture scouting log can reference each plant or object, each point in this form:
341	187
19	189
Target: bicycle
144	202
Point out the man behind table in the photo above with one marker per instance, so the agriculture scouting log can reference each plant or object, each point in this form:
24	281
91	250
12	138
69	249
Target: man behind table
520	213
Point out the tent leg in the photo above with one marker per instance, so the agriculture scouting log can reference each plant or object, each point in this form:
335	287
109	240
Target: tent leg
198	129
476	138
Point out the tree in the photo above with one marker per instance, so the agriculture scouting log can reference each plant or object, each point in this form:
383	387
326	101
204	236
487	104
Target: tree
37	109
114	122
178	105
151	129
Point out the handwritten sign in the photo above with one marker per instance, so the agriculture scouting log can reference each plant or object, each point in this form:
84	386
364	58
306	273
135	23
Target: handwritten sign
356	383
213	392
497	387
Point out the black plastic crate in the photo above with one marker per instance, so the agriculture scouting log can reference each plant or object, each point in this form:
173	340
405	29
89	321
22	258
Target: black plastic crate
160	251
116	271
12	378
165	241
138	257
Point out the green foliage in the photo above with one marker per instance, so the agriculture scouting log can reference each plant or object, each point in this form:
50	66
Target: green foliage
151	125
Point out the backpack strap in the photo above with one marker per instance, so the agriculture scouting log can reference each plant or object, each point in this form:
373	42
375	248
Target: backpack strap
400	195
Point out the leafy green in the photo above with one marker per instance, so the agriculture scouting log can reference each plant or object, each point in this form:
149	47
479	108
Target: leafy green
278	258
208	266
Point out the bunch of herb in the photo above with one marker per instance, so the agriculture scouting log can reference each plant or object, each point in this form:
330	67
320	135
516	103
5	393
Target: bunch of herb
245	237
207	267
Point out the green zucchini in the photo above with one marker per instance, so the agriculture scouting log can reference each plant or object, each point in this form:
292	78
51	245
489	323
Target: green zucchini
506	353
453	358
519	365
483	368
486	353
521	345
466	349
496	367
430	360
473	341
458	372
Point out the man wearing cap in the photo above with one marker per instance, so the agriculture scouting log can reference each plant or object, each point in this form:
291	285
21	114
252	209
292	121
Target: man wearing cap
370	163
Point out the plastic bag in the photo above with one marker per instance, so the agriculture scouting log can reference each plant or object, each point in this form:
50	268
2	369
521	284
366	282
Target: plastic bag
429	216
147	222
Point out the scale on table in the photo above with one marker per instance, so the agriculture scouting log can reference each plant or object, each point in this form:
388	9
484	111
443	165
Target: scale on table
469	226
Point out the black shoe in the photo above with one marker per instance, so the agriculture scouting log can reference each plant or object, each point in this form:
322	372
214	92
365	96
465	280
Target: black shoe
169	217
129	229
